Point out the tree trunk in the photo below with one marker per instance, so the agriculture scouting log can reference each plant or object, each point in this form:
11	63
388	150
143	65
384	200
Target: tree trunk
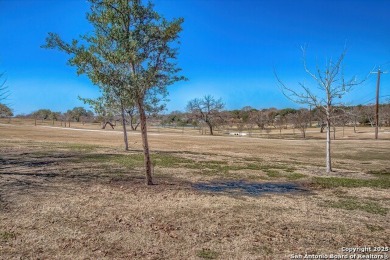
334	132
133	127
147	160
328	158
124	128
211	128
108	123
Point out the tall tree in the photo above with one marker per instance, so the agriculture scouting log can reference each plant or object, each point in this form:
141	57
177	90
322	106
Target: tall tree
132	49
206	109
332	86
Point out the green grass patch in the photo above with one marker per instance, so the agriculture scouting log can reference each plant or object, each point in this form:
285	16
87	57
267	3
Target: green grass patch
333	182
355	204
208	167
137	160
296	176
273	174
206	253
168	160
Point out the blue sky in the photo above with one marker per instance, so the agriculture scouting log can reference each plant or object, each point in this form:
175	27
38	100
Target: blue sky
229	49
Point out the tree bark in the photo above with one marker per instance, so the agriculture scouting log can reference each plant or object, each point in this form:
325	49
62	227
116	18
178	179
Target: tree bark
328	157
334	132
211	128
147	160
133	127
108	123
124	127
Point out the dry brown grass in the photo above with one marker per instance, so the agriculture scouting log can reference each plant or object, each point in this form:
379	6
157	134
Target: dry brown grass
67	194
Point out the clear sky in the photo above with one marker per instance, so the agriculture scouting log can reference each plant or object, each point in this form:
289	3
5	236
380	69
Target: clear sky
229	49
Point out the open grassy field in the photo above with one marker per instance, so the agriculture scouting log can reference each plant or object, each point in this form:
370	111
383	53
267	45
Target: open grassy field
75	194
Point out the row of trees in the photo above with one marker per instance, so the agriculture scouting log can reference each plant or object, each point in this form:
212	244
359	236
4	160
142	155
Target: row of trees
209	111
214	116
77	114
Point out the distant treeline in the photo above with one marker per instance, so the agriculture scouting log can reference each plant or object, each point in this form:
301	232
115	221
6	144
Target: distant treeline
247	117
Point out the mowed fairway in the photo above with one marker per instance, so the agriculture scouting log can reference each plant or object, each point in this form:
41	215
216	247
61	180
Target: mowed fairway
75	194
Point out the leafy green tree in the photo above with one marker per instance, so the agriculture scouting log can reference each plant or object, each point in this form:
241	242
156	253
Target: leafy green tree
54	116
5	111
79	112
104	110
112	102
132	50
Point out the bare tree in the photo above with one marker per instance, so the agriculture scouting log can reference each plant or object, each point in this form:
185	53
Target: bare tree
354	113
341	117
332	85
259	118
279	123
368	115
385	111
301	120
206	109
4	93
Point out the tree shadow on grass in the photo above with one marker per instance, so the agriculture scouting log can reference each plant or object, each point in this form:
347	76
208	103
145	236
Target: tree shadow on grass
249	188
27	173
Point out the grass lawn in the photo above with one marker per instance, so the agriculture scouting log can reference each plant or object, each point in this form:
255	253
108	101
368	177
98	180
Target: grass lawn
68	194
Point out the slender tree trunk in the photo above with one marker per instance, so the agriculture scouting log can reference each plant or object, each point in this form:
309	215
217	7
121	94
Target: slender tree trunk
211	128
334	132
147	160
131	123
328	158
124	127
